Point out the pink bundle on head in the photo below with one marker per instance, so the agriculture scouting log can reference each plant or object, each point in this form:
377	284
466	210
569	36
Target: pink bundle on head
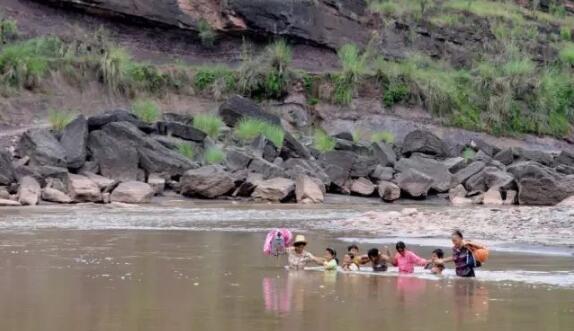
276	242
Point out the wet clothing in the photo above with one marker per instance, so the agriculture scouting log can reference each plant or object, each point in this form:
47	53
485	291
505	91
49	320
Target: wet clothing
380	266
331	265
407	262
298	261
464	261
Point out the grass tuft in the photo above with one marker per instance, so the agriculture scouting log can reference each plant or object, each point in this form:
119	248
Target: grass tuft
59	119
146	110
208	123
566	54
386	136
186	150
250	128
323	142
206	33
468	153
566	33
214	155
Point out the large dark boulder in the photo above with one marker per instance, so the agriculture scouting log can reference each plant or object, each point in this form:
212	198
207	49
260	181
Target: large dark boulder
363	166
487	148
74	140
490	177
384	154
267	169
237	159
119	115
117	159
421	141
441	177
337	165
465	173
296	167
42	147
7	175
292	148
505	156
539	185
207	182
180	130
238	107
414	183
566	158
43	174
541	157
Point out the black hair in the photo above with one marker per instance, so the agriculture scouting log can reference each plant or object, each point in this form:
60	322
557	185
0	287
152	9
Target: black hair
400	245
458	233
439	253
333	253
373	252
353	246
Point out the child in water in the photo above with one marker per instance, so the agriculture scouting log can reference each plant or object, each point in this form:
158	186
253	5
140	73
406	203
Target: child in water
436	268
330	258
352	260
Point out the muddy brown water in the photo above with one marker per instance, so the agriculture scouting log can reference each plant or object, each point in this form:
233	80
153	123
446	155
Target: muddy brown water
63	279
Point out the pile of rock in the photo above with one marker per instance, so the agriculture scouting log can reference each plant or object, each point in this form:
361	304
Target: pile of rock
115	157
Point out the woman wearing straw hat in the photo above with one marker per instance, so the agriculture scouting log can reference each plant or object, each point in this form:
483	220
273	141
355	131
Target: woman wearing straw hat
298	257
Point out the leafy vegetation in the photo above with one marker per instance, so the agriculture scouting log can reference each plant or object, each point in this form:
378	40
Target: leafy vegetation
353	64
386	136
186	150
323	142
214	155
146	110
468	154
250	128
566	33
8	30
209	124
59	119
206	33
567	54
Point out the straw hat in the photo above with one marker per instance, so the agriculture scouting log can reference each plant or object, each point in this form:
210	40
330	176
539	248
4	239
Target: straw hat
300	239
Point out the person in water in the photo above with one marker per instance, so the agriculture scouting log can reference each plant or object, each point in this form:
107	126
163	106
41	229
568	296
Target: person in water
461	256
352	260
406	260
379	260
298	257
330	259
433	266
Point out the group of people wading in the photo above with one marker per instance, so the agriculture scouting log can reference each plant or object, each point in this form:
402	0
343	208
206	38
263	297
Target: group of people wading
466	256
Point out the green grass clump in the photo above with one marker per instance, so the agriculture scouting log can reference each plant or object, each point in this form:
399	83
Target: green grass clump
59	119
354	64
395	92
386	136
521	67
250	128
146	110
205	77
468	153
357	134
24	63
113	66
566	54
206	33
323	142
186	150
8	30
208	123
214	155
566	33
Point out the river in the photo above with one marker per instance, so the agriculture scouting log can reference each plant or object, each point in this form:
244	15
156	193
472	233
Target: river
182	266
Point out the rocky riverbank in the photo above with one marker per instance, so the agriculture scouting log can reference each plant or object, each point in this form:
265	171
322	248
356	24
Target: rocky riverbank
117	157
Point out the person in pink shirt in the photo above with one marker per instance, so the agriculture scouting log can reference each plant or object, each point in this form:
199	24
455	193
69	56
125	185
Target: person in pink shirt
407	260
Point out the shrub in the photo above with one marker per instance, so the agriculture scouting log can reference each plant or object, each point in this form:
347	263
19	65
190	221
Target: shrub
567	54
113	66
394	93
139	77
386	136
357	134
205	77
8	30
208	123
323	142
146	110
214	155
250	128
59	119
206	33
468	153
566	33
353	66
186	150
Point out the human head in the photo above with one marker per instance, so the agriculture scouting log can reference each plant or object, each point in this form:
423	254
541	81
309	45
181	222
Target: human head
438	253
353	249
330	254
347	259
373	254
401	247
457	238
299	243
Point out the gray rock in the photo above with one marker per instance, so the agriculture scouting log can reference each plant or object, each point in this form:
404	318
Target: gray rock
492	197
246	188
490	177
421	141
53	195
43	173
292	148
363	166
308	190
42	147
265	168
415	183
116	159
132	192
485	147
539	185
74	140
389	191
454	164
337	165
534	155
237	107
157	183
432	168
296	167
4	194
104	184
505	156
29	192
237	159
481	157
180	130
344	135
362	186
381	173
207	182
462	175
566	158
9	203
83	189
7	174
96	122
564	169
384	154
275	189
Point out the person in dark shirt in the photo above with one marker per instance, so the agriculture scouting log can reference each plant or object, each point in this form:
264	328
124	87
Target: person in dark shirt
378	260
461	256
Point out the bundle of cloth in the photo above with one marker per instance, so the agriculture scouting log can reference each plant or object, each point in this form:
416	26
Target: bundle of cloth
277	241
